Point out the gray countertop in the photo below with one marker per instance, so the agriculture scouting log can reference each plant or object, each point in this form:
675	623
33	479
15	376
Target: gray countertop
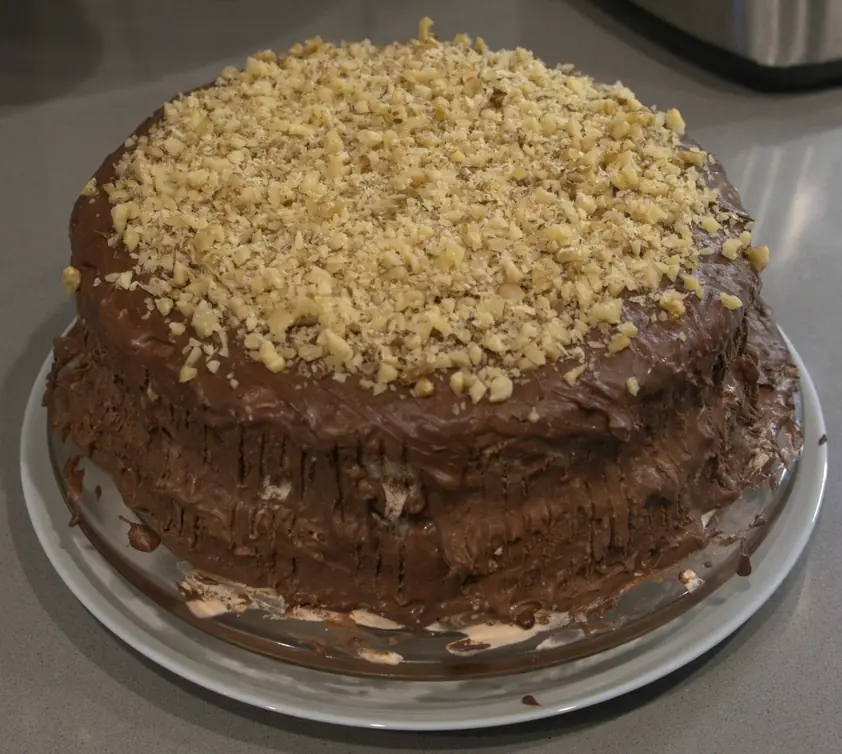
77	76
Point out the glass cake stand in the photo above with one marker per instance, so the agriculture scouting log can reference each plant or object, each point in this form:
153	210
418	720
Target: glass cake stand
360	643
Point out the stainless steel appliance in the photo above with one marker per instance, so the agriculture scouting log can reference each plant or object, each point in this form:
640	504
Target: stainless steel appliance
769	44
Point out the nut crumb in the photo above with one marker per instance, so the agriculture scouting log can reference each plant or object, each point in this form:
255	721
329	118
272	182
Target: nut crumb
672	302
71	279
632	386
457	383
424	26
731	248
187	373
423	388
618	342
629	329
690	580
90	188
675	121
573	375
500	389
758	256
477	391
692	284
729	301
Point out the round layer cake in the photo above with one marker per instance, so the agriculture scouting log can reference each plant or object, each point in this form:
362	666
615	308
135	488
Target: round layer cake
426	328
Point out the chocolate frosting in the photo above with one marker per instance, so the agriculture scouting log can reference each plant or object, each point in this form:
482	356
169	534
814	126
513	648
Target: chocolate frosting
344	499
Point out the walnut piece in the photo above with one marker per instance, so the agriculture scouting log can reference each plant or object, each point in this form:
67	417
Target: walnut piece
71	279
90	188
758	256
729	301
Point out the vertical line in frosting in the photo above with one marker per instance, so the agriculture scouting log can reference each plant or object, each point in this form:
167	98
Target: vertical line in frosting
261	461
241	461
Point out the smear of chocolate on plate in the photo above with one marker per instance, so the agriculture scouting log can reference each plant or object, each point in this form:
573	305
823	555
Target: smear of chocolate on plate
319	648
743	564
98	493
74	478
525	619
530	701
141	537
467	645
823	440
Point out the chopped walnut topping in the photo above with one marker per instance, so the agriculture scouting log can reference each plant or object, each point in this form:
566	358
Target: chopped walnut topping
500	389
424	26
672	302
632	386
90	188
423	388
618	342
457	382
477	390
187	373
731	248
729	301
675	121
573	375
758	256
690	580
270	357
692	283
71	278
710	224
388	212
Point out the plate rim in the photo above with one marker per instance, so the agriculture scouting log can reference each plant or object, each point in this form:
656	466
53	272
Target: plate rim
752	598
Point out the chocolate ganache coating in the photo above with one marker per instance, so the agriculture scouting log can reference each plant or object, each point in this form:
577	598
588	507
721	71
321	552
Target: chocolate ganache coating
341	498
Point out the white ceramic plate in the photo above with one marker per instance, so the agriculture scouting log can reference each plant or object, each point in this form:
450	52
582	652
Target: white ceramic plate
413	705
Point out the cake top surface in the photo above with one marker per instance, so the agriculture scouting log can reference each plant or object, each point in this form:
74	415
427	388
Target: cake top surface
389	212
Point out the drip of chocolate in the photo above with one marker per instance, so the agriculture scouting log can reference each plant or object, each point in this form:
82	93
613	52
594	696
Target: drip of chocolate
743	564
525	619
142	537
74	478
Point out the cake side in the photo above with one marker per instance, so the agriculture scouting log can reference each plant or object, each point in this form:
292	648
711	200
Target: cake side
552	538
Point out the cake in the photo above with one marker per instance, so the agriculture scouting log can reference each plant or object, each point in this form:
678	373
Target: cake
426	329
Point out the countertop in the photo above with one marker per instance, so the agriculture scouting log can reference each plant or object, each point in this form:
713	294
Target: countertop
77	76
